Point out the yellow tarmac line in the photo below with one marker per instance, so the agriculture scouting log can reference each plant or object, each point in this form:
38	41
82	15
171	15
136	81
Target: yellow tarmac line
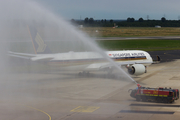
40	111
85	109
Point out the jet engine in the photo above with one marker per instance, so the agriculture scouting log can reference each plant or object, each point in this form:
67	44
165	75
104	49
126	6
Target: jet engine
136	69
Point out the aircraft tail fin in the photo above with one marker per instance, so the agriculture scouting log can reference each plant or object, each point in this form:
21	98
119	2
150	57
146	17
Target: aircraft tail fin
38	43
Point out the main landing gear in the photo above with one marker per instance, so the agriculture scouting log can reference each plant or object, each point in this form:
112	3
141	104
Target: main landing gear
84	73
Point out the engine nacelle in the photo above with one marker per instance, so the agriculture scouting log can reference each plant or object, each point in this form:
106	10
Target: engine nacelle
136	69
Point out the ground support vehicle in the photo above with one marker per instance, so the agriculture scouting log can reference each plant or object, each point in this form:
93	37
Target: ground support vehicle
160	95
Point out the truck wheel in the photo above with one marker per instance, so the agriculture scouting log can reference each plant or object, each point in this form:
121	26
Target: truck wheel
165	100
172	101
159	100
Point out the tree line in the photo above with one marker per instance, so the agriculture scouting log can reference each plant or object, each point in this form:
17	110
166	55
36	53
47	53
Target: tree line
129	22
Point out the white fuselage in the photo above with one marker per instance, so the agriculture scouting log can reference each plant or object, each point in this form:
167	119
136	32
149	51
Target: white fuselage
94	60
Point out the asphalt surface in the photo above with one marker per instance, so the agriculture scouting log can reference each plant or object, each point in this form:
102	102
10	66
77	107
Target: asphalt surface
165	56
60	95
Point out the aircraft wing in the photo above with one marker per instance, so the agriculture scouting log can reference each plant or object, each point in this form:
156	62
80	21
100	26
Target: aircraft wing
133	62
107	65
33	57
21	55
42	58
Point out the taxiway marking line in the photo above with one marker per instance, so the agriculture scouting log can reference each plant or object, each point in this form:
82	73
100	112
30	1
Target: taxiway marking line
85	109
40	111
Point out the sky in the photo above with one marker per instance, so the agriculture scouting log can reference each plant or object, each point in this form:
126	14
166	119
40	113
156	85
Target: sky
114	9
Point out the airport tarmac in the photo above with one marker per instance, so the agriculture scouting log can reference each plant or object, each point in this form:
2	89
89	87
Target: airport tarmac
66	96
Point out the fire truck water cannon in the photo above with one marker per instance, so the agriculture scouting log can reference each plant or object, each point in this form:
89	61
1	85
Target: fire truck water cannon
160	95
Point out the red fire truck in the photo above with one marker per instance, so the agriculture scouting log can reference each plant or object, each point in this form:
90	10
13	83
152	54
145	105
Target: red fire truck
165	95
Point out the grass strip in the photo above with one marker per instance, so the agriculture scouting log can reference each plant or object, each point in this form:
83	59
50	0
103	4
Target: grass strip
147	45
131	31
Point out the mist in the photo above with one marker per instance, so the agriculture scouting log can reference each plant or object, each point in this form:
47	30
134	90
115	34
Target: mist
19	78
24	82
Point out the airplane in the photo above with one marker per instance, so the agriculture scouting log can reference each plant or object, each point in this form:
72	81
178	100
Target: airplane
136	61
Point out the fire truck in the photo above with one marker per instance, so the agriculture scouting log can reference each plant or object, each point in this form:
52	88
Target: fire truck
160	95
